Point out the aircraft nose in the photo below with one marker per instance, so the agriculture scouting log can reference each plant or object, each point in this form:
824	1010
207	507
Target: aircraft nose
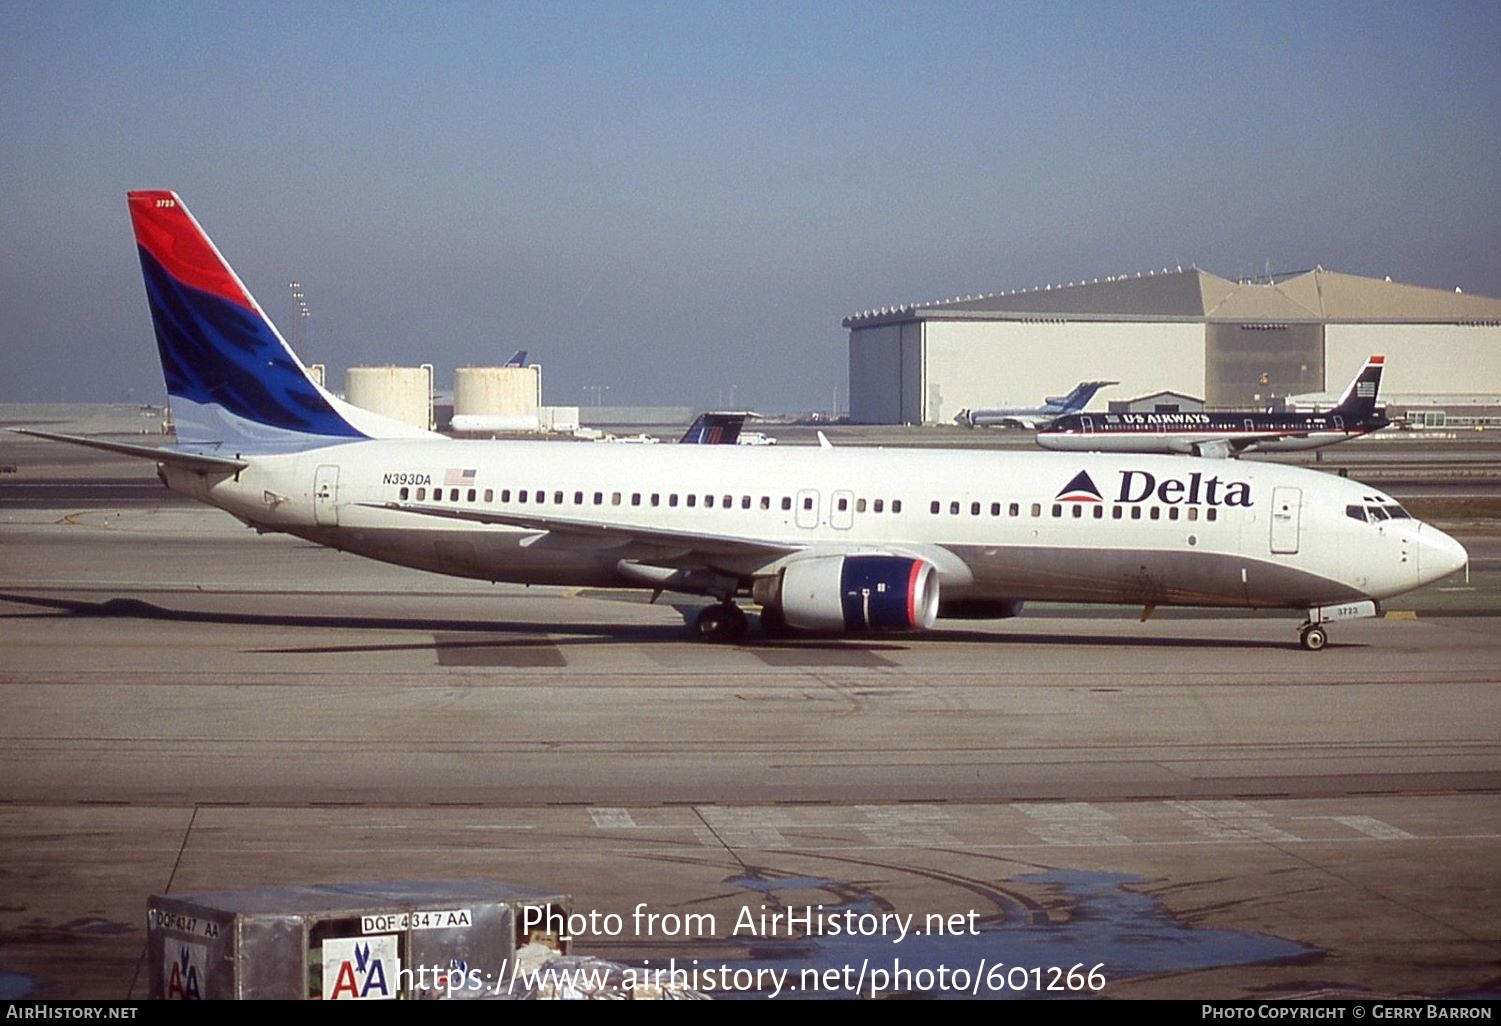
1438	555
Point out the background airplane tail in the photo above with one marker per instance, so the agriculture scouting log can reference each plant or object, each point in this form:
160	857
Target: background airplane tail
1359	400
233	382
1080	397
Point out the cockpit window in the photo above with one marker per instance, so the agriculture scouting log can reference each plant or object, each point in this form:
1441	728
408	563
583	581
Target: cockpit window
1355	513
1397	513
1377	513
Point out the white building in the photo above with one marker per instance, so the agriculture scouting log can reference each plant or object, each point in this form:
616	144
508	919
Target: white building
1238	344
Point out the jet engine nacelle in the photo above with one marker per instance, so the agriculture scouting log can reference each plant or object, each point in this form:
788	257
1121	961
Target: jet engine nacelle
854	593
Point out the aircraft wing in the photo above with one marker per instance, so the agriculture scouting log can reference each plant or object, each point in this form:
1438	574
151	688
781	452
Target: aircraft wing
691	546
1221	448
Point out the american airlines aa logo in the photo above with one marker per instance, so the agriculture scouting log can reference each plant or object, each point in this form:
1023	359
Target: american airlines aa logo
184	971
1080	489
360	968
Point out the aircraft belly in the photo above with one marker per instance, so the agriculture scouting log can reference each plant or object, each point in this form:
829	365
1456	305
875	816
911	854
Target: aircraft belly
1136	577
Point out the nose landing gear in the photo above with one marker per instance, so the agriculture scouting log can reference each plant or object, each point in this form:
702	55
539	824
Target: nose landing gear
1312	637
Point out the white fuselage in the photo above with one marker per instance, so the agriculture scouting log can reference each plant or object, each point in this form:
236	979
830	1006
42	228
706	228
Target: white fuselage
1153	530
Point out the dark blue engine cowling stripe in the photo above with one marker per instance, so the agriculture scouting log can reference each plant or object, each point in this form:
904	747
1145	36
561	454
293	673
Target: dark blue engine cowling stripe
888	580
218	353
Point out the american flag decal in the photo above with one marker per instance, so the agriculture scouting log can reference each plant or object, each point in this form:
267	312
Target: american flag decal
457	476
1365	389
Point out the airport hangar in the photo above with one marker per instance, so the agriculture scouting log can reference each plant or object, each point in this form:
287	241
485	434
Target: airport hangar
1239	344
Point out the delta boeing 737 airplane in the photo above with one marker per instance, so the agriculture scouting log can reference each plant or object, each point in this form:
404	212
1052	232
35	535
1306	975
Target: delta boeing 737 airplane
823	539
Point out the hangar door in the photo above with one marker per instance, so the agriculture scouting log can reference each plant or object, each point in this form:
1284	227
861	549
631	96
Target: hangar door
1251	366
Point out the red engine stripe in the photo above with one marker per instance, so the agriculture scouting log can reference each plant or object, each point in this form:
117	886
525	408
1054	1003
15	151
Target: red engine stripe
917	567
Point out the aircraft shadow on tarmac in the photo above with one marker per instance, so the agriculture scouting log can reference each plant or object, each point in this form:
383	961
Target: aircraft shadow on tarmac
522	634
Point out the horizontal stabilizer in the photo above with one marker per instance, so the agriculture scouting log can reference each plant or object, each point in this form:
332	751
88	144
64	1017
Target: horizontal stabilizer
195	461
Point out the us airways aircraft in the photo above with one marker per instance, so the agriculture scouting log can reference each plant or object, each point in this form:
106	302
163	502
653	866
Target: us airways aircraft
826	539
1224	434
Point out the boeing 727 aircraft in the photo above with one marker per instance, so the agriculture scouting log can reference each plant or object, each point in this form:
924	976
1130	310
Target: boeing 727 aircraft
827	539
1225	433
1052	407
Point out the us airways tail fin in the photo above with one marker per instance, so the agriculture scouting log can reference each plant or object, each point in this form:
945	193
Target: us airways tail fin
234	383
1359	400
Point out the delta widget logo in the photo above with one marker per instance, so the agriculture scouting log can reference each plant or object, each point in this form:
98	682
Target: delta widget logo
1080	489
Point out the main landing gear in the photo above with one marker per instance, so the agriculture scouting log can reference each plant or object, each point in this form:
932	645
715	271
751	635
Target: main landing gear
723	624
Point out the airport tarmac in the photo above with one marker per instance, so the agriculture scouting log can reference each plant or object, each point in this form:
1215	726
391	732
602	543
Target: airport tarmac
1194	803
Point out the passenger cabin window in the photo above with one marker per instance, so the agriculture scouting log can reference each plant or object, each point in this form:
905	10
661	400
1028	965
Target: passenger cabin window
614	498
766	502
786	502
421	494
505	495
974	509
1135	512
1037	509
745	502
708	502
692	500
656	498
1116	512
877	505
599	498
953	509
1156	513
635	498
472	495
1099	512
1057	509
578	498
672	500
896	505
1078	511
557	498
1014	510
934	507
1211	514
859	505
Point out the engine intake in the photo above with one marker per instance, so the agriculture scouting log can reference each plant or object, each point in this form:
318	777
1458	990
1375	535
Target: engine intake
854	593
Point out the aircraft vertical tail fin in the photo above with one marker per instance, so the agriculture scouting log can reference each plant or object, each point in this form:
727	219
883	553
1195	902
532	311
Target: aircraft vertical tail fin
1080	397
233	382
1359	399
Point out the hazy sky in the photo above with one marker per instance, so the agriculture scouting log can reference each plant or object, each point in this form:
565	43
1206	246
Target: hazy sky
681	199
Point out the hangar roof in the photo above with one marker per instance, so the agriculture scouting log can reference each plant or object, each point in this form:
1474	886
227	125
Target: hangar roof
1192	294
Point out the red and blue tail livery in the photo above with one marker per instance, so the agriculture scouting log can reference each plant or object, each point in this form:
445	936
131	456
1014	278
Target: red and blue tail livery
233	382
